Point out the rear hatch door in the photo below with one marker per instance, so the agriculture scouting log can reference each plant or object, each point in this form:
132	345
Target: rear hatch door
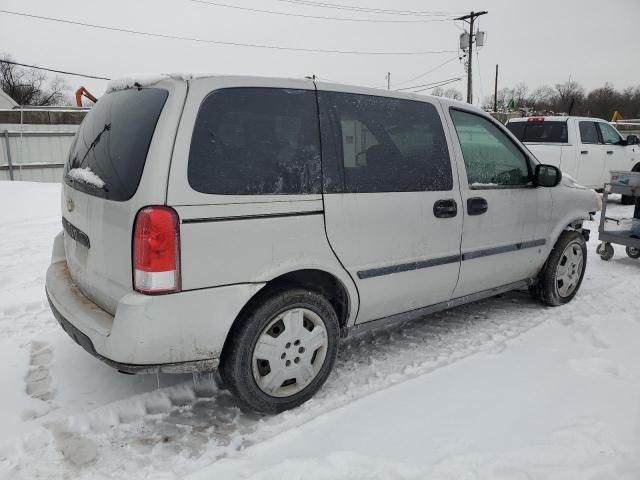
118	163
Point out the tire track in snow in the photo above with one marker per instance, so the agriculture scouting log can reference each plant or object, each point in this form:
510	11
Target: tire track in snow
185	427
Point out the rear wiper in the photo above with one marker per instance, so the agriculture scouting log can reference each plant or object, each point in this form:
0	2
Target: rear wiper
96	140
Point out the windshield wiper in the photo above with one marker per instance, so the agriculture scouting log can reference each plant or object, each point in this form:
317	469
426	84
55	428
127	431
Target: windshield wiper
96	140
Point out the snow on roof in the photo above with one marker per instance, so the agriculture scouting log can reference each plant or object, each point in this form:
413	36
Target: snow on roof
555	118
147	79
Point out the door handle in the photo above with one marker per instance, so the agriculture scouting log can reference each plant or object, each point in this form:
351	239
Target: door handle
476	206
445	208
584	152
609	152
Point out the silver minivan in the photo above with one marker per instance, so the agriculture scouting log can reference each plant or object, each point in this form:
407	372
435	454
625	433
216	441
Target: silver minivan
246	224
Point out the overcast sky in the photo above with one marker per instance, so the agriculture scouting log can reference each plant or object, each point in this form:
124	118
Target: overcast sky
534	41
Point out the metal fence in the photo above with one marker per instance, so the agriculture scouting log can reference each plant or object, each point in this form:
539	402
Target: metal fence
34	143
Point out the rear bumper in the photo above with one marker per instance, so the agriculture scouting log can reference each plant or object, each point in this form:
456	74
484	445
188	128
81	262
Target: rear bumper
178	333
85	342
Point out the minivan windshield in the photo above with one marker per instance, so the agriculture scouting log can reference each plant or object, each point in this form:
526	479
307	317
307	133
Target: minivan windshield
110	149
540	132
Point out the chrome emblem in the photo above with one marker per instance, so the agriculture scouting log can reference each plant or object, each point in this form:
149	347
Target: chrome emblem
70	204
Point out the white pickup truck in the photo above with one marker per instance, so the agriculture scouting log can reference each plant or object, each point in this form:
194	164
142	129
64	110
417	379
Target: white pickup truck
584	148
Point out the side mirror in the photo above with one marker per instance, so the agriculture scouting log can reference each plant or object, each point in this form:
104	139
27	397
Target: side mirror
633	140
547	176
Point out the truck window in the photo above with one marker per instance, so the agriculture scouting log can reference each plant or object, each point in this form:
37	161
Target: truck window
540	132
490	157
378	144
588	132
256	141
609	134
517	128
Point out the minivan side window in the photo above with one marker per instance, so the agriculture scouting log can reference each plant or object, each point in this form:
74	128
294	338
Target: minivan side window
256	141
588	132
490	157
379	144
609	134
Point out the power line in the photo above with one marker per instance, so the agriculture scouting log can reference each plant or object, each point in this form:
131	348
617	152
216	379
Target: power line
440	85
366	9
53	70
417	77
218	42
318	17
426	84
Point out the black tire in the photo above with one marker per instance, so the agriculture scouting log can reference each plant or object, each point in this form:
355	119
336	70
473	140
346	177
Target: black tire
547	290
606	251
236	367
633	252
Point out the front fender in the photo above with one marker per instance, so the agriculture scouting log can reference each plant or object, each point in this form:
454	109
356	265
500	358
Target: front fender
572	206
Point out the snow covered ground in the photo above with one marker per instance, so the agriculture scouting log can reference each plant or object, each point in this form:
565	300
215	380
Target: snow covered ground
502	389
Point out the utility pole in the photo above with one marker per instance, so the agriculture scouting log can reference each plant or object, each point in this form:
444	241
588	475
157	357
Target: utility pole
470	19
388	80
495	92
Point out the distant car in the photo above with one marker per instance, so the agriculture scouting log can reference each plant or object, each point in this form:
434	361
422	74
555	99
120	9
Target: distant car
247	224
585	148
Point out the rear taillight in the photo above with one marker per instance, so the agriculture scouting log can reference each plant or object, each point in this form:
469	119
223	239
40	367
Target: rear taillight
156	251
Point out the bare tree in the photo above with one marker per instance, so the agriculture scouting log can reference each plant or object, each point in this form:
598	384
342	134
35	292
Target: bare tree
630	98
452	93
448	93
603	101
31	87
569	97
505	95
520	92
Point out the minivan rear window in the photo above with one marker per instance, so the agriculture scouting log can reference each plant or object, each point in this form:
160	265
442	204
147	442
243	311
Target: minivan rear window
110	149
256	141
540	132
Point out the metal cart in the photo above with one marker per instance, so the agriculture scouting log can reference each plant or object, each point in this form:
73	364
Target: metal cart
621	231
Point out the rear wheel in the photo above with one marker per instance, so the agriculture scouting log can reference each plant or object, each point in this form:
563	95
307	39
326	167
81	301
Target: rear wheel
562	275
282	351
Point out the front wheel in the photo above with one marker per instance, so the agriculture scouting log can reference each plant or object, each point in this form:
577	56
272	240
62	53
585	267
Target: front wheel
562	275
606	251
281	352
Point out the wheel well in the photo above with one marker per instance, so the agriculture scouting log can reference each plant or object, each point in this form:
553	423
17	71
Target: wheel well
316	280
636	167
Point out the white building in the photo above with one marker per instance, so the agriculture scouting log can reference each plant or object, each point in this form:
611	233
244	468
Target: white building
6	101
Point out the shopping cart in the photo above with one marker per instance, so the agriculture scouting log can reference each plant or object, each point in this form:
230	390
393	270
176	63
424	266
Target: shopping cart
621	231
